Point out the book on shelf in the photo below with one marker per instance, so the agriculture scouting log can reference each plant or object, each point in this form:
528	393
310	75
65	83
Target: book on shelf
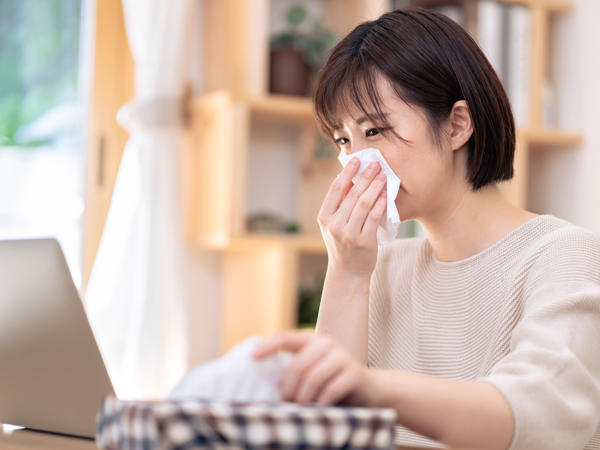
492	21
518	43
504	35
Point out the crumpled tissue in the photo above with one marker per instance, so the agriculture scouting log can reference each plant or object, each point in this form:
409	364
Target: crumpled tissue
390	226
236	376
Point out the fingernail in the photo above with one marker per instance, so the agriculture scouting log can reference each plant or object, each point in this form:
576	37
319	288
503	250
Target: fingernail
381	177
354	161
373	165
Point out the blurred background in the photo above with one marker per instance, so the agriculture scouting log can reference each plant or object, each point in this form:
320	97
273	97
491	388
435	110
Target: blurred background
171	148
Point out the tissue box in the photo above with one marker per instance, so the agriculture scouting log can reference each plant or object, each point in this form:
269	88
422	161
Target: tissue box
207	424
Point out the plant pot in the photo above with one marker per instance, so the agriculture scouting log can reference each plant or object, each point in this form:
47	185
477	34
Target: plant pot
288	72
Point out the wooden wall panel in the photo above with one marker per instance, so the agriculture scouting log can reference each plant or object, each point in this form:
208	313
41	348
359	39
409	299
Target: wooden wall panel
259	293
112	86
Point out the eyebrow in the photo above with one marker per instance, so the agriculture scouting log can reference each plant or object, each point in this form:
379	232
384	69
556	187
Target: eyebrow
361	119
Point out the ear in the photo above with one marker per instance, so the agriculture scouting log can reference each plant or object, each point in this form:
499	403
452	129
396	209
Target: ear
461	126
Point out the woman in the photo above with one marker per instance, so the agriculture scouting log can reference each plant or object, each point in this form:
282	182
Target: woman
484	334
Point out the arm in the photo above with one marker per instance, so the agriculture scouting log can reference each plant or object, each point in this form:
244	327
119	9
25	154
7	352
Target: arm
345	300
460	414
348	220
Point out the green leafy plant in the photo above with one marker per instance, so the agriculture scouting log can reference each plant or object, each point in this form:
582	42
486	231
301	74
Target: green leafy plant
308	305
314	44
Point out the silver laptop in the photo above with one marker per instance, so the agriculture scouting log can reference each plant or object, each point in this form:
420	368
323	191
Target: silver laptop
52	376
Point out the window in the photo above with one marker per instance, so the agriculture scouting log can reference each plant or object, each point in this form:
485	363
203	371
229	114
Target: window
42	118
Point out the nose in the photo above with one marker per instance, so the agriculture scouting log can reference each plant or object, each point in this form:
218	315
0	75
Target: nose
357	144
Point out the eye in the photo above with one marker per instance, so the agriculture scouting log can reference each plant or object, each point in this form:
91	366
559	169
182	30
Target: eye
338	141
373	131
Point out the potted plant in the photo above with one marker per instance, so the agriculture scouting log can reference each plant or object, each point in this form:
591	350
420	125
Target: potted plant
295	54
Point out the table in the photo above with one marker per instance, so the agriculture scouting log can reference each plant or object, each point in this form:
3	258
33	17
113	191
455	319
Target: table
23	439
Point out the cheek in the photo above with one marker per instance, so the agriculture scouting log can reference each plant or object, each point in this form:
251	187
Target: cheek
419	192
423	174
398	159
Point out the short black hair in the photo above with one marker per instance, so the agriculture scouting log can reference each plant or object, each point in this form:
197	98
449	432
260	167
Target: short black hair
431	62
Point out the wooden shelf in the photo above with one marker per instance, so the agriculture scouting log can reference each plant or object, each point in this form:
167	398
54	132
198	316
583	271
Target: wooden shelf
282	106
297	242
303	243
273	106
550	138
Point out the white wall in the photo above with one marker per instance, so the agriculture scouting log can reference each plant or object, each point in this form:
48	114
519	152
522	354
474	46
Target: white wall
566	182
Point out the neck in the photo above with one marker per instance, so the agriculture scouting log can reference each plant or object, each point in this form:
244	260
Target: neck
470	222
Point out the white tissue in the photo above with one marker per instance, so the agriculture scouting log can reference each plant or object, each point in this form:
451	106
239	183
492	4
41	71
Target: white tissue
391	222
236	376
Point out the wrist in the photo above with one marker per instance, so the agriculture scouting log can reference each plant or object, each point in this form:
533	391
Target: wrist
374	378
347	285
337	272
382	388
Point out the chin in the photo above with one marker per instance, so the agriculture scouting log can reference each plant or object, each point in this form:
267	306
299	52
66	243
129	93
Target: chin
406	210
407	214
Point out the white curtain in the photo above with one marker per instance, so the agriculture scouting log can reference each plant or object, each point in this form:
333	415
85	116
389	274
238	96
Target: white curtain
136	296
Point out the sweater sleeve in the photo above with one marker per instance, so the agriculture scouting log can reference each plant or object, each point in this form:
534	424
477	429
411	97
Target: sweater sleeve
551	375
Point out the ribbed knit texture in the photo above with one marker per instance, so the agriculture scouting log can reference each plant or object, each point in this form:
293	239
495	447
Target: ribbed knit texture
524	315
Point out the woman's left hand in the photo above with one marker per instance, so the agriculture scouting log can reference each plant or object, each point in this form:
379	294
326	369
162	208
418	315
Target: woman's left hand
322	372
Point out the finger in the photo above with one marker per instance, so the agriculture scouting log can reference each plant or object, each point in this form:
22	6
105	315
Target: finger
350	186
338	388
301	365
375	215
364	205
317	377
290	341
348	204
339	187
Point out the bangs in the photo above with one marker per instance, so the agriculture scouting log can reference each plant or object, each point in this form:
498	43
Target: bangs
348	86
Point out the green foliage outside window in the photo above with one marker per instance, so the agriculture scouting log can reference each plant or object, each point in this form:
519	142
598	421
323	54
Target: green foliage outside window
39	53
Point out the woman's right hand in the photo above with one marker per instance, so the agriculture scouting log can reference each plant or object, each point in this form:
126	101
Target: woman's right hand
349	217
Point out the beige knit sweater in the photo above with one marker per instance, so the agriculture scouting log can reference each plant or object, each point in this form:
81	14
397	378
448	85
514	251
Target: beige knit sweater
523	314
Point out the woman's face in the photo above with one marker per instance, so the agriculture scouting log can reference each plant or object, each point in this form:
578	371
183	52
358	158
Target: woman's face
426	171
